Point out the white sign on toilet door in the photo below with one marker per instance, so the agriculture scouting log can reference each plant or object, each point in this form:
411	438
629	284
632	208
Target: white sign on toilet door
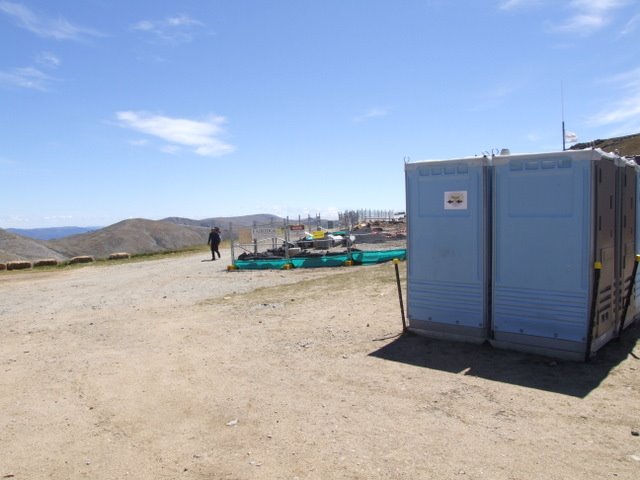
455	200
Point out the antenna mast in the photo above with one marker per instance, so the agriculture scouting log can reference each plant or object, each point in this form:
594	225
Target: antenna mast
562	108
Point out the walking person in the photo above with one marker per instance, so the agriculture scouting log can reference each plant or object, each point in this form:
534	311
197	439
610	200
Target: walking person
217	229
214	242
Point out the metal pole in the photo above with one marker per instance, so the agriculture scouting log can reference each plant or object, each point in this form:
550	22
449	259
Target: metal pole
255	240
404	322
233	257
562	108
627	300
286	238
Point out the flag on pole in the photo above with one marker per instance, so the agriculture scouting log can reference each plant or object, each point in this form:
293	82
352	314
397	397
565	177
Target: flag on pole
570	137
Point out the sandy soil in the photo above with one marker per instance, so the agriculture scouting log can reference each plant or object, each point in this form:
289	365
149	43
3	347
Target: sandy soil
176	369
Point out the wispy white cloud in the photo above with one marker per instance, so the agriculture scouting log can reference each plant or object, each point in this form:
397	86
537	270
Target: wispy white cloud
39	221
175	30
493	97
31	77
533	136
623	114
201	136
44	26
631	26
170	149
375	112
7	161
516	4
581	16
13	221
182	20
54	218
26	77
587	16
48	59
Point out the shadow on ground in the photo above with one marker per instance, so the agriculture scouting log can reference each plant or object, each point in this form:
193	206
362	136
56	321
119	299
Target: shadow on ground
532	371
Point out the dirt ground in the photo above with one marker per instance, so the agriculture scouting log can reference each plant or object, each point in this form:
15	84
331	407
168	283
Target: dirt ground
175	368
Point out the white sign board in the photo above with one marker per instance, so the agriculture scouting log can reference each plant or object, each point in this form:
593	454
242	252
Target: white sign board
455	200
260	233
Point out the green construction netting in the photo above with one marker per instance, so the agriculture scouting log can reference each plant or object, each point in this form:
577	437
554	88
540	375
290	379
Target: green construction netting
358	258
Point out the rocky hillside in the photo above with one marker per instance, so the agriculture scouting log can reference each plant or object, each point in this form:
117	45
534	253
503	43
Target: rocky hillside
17	247
628	145
134	236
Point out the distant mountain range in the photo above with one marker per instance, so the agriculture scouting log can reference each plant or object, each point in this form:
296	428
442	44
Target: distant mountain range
51	233
133	236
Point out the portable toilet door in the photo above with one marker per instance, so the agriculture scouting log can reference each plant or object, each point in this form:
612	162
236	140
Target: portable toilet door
628	224
607	252
448	248
553	219
636	290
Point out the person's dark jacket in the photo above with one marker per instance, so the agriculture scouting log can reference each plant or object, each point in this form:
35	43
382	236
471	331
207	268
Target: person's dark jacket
214	239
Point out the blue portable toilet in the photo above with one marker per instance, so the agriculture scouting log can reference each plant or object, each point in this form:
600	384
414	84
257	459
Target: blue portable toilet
558	270
448	248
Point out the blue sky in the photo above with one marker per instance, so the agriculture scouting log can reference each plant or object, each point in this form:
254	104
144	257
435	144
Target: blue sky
114	109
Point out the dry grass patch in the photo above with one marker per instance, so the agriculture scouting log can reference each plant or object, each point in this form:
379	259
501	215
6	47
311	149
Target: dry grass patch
360	281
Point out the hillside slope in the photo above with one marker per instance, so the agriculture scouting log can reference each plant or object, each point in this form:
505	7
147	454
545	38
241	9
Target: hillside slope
134	236
17	247
629	145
